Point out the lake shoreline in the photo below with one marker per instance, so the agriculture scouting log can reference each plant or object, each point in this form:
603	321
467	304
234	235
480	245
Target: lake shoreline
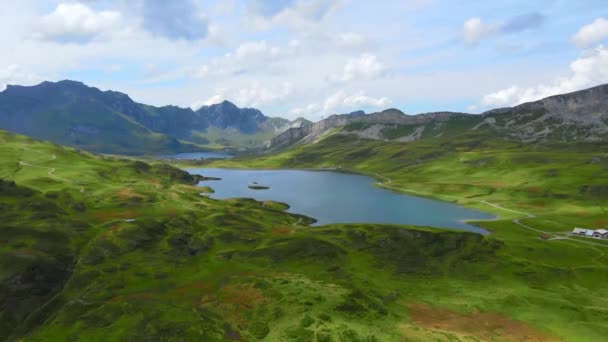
466	224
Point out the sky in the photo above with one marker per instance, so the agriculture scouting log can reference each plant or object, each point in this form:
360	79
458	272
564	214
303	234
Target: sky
311	58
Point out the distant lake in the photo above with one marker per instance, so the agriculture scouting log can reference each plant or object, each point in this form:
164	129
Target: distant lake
199	155
333	197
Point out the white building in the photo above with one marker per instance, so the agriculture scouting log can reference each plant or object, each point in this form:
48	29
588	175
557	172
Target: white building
599	233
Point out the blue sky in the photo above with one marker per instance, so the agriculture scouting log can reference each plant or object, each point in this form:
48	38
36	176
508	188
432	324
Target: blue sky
312	58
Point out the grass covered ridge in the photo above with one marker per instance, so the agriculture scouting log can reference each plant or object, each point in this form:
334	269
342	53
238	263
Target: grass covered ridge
104	248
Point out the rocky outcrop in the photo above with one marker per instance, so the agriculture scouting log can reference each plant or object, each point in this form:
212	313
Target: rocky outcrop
375	123
577	116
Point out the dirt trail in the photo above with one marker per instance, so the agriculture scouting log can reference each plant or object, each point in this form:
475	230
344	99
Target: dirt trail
517	221
51	169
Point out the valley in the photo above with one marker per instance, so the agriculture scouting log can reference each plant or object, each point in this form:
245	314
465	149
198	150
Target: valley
239	267
303	171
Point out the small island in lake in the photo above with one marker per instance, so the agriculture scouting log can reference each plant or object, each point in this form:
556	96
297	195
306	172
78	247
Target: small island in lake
259	187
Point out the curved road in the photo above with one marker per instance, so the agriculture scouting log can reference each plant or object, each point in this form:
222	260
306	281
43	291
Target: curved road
517	221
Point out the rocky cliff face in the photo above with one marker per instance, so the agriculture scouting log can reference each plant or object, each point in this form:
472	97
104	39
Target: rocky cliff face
577	116
227	115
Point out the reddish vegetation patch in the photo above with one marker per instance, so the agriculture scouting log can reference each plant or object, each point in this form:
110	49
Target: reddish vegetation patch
134	296
192	292
486	326
245	297
601	223
128	192
538	205
171	211
198	287
104	216
234	301
278	231
534	189
154	182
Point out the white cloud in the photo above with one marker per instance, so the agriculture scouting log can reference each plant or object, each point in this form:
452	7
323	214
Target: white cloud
474	30
217	98
590	69
254	95
299	15
591	33
308	110
174	19
76	22
350	40
342	101
14	74
257	95
249	57
365	66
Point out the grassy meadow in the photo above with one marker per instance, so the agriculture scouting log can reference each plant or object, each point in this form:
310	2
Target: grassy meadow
99	248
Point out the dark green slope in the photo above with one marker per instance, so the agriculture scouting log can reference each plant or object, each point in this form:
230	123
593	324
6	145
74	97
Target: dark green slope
120	250
72	114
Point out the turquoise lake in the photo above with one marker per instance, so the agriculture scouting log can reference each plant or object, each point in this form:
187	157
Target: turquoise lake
333	197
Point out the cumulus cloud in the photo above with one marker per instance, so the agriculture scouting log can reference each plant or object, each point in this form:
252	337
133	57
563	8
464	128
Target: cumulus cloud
474	29
296	14
366	66
308	110
591	33
345	101
217	98
175	19
252	56
590	69
349	40
342	102
254	95
15	74
76	23
257	95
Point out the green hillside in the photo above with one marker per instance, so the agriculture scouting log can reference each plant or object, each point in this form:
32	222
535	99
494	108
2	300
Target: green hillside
564	179
99	248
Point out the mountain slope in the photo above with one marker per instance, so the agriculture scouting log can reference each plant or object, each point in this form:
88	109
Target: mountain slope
578	116
71	113
115	249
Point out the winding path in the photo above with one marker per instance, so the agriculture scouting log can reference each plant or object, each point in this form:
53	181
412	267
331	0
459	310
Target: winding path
51	169
517	221
50	173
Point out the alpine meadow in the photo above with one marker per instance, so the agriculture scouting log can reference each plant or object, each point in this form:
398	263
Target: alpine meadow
254	170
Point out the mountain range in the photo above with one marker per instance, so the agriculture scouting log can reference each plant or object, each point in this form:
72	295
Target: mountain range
71	113
579	116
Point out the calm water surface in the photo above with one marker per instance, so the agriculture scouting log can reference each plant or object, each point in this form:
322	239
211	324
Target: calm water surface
332	197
